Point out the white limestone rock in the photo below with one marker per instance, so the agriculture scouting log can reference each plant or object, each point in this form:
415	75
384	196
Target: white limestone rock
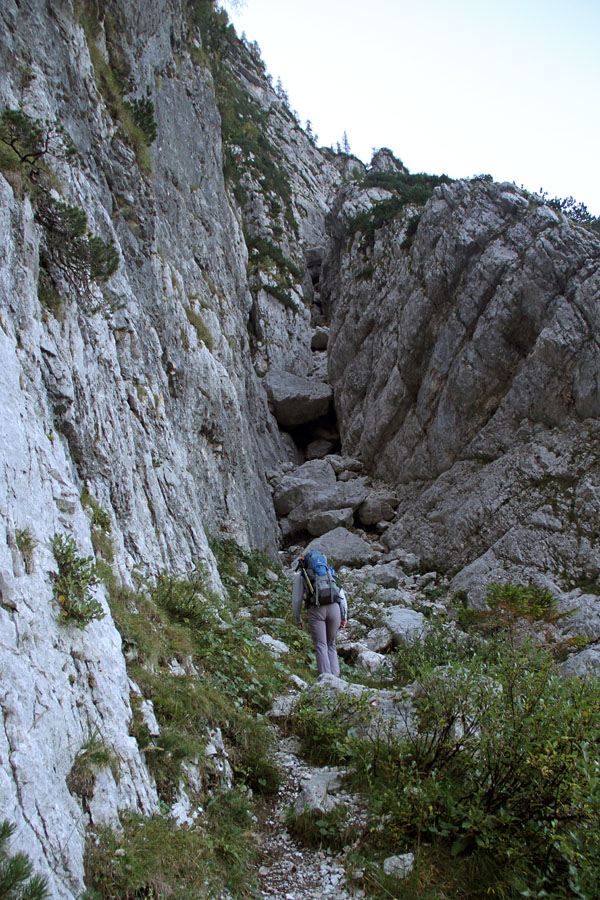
405	625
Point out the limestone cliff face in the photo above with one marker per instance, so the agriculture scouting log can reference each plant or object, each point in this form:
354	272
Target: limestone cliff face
464	361
143	391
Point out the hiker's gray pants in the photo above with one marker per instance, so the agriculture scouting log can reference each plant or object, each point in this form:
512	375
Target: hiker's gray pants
324	623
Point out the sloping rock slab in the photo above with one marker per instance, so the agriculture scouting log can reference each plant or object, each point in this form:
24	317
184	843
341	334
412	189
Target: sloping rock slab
297	400
343	548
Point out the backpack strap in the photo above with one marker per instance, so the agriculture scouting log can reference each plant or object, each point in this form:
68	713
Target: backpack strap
306	580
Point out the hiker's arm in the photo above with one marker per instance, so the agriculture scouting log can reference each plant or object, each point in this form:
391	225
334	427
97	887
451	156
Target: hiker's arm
343	609
297	598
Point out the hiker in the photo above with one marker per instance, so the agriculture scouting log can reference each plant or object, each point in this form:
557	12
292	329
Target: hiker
316	583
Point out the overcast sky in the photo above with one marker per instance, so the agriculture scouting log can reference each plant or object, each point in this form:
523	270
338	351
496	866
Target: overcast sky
505	87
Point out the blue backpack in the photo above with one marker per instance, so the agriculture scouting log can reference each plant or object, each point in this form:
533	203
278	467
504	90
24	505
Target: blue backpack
320	581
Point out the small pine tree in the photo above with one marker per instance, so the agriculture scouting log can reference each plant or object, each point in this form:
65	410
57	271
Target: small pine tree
16	879
346	144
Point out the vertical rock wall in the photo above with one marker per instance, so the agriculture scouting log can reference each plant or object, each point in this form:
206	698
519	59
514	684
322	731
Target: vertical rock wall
142	391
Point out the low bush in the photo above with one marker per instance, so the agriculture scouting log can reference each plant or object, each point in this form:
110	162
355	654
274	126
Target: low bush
69	256
73	583
497	780
93	755
26	544
406	189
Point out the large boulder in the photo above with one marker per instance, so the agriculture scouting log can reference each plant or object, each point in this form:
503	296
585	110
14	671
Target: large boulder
325	521
296	400
405	625
377	508
300	486
343	548
341	496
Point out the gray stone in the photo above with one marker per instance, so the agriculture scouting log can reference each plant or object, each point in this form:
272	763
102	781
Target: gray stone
317	794
587	662
405	625
296	400
379	639
276	648
319	449
343	548
460	398
371	661
322	522
387	575
399	866
300	486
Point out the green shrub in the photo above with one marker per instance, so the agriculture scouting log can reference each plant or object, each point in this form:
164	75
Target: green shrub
26	544
101	527
413	189
142	111
500	779
73	582
94	754
154	858
576	212
529	601
68	254
183	598
16	879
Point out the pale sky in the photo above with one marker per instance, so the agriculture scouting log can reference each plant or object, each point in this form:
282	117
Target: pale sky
463	88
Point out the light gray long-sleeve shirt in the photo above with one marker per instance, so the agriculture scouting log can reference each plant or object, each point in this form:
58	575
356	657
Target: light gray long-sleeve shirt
298	598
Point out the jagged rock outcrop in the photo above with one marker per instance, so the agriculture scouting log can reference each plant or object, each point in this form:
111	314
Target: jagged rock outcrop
463	355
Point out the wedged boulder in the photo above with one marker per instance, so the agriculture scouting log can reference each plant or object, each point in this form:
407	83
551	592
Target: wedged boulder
325	521
345	464
298	487
343	548
405	625
296	400
339	496
319	449
319	339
